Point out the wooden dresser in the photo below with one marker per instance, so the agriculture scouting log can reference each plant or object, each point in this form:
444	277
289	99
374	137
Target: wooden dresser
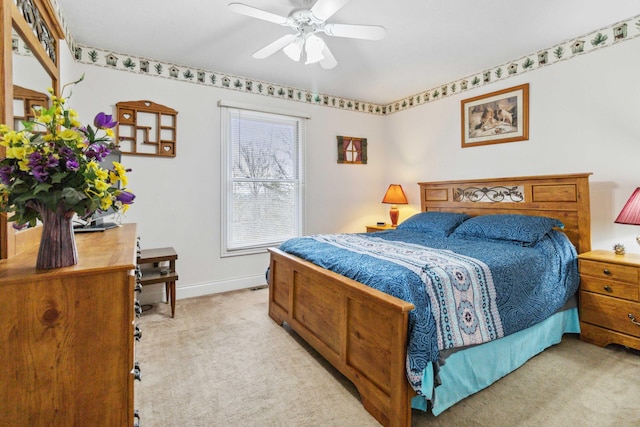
67	335
610	298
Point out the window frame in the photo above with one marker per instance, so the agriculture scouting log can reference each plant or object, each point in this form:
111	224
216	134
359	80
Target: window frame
227	180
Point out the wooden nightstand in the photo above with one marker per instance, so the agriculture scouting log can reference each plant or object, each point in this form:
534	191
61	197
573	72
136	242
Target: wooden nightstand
374	228
151	272
610	298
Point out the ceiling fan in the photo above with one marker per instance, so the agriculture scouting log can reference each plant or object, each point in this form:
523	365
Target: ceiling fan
307	23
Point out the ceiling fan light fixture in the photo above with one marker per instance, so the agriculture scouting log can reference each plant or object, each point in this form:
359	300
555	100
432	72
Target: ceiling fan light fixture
306	22
314	46
294	49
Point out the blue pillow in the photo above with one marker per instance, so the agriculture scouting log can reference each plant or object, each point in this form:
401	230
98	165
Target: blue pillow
524	230
436	223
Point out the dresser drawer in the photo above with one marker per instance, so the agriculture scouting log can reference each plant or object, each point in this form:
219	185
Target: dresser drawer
610	313
609	271
609	288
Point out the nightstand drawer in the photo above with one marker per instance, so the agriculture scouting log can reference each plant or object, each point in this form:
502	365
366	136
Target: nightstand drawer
609	271
610	313
609	288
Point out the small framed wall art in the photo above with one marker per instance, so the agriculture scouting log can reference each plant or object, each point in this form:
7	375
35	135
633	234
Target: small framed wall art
496	117
352	150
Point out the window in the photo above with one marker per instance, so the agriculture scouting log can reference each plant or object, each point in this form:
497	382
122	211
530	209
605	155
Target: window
263	186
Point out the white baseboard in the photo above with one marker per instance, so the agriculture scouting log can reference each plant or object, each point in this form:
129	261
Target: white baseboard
152	294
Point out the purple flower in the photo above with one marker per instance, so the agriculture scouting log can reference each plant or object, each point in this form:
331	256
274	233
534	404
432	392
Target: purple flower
40	173
104	121
18	227
35	158
97	152
66	152
72	165
5	174
52	161
125	197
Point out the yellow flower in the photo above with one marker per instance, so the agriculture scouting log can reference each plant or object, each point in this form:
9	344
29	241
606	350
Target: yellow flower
100	185
119	173
121	170
44	118
4	129
24	165
69	135
13	138
105	203
102	174
16	153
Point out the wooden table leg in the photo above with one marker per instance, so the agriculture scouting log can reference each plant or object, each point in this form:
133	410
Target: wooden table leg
172	286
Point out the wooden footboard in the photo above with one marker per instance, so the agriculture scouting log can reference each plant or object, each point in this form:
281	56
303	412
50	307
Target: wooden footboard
359	330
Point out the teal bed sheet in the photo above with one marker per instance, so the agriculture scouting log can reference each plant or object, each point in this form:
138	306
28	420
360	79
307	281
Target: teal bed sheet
468	371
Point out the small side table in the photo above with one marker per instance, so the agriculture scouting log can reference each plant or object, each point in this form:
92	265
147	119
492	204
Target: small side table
152	272
374	228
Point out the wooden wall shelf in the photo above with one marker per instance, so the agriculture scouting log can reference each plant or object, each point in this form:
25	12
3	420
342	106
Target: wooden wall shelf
146	129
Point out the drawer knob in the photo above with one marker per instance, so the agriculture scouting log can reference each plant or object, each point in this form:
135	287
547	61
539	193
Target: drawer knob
137	373
606	272
137	308
608	288
633	319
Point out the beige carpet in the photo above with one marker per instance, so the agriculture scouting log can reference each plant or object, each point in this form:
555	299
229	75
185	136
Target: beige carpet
223	362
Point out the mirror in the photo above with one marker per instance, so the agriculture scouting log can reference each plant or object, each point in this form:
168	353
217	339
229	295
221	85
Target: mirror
29	68
30	81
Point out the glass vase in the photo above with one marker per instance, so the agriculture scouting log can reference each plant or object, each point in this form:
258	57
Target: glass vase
58	243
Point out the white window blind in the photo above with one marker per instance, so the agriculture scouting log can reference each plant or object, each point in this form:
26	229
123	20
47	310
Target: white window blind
262	179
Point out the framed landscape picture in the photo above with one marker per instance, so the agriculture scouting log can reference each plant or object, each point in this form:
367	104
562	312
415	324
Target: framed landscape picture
496	117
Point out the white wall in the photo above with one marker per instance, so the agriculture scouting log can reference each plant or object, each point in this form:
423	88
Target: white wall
584	117
178	200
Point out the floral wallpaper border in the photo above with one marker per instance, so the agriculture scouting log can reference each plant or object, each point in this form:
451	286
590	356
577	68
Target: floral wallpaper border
624	30
605	37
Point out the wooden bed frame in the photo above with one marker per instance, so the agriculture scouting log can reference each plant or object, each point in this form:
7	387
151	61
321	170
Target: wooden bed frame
363	332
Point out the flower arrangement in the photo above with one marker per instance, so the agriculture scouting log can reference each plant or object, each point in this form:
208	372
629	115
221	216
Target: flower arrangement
54	164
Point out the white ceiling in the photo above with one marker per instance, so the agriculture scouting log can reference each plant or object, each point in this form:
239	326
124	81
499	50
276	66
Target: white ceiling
427	43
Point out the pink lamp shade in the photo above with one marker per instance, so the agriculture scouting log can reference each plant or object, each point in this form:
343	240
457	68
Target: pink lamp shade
630	213
395	196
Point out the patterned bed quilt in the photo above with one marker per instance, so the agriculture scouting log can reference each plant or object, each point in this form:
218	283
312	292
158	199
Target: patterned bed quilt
465	292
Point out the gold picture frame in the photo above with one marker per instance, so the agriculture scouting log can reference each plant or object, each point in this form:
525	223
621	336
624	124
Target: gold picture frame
496	117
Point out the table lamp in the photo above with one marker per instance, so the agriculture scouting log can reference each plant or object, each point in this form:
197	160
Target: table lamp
630	213
395	196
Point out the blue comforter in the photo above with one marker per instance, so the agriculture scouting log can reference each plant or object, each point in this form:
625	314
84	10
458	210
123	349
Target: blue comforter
518	286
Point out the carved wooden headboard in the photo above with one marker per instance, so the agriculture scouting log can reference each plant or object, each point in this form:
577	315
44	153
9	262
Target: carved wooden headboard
565	197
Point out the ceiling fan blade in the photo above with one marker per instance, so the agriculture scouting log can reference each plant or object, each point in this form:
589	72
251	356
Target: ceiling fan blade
272	48
323	9
329	61
366	32
254	12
